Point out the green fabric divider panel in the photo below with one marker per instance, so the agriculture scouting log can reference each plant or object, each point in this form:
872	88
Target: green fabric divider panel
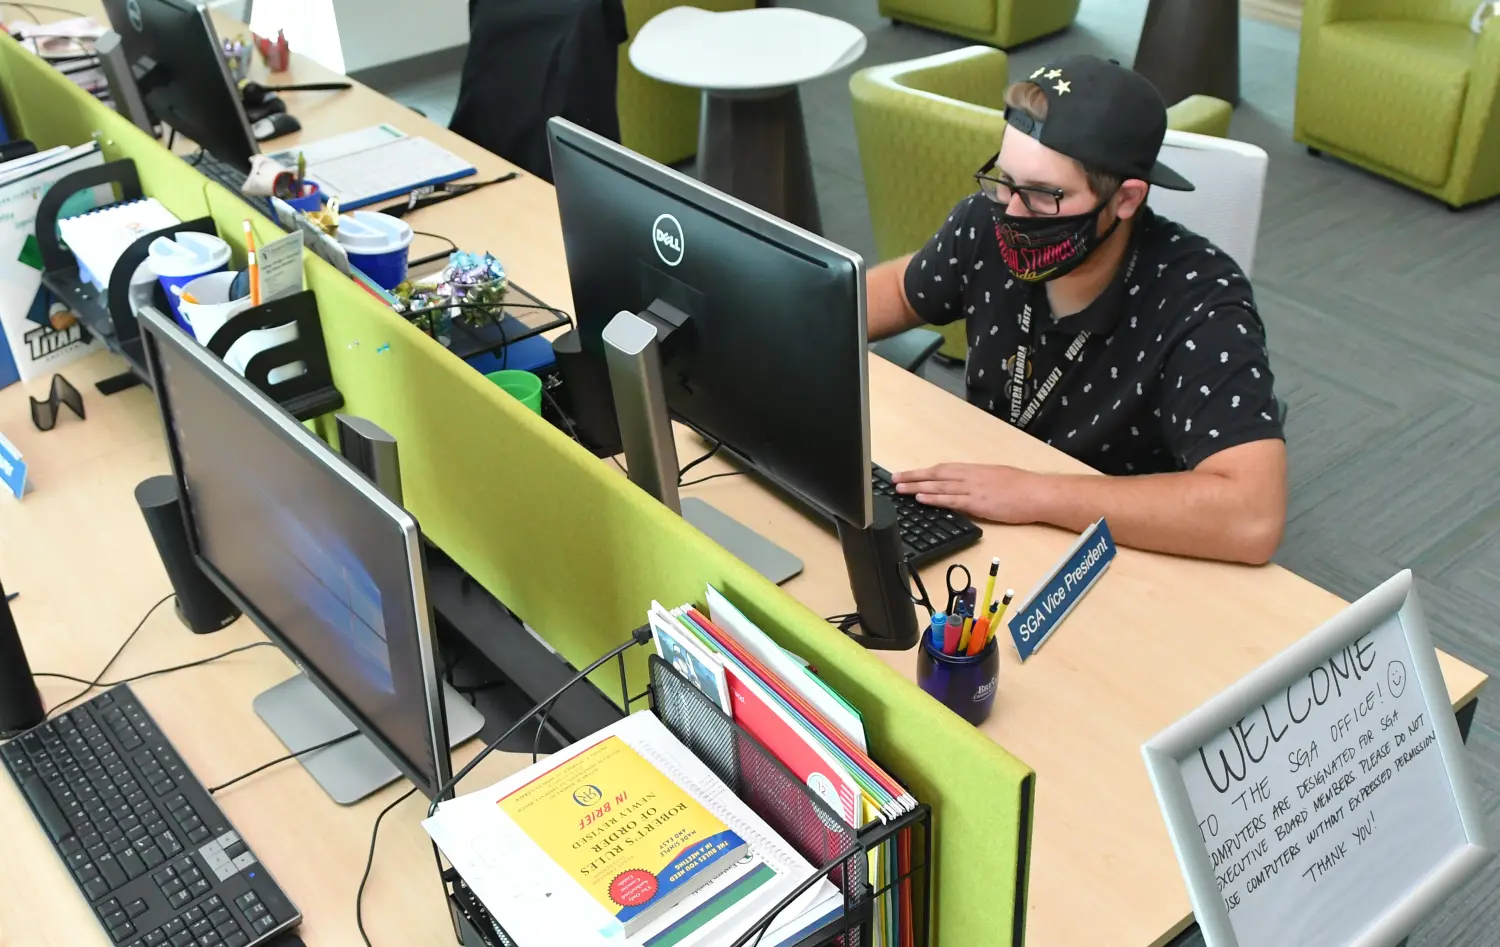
575	548
578	551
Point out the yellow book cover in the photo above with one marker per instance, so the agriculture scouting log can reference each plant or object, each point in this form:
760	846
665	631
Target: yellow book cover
632	838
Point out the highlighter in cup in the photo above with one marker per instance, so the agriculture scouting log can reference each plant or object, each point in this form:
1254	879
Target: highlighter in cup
179	260
964	684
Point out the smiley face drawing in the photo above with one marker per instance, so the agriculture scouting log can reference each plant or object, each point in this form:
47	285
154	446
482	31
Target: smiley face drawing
1395	676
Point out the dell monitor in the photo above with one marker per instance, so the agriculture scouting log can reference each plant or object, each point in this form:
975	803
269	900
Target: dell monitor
765	353
327	565
179	68
749	330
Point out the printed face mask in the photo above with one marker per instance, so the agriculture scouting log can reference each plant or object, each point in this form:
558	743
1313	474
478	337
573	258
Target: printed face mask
1038	249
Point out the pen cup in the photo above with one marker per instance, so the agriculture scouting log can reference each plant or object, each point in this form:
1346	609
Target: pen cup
215	306
310	200
965	685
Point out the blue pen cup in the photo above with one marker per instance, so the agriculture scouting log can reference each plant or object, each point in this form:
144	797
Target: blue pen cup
311	199
965	685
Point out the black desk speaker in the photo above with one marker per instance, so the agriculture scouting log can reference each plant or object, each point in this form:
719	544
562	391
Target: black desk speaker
200	604
20	704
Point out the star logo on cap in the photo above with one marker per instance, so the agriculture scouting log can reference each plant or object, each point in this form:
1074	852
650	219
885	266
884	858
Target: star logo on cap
1039	72
1053	74
1063	88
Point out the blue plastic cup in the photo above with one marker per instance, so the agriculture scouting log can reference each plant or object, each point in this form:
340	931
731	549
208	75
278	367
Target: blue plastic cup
311	199
377	245
965	685
179	260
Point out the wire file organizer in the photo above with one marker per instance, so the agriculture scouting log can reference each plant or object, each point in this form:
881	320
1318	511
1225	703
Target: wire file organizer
794	811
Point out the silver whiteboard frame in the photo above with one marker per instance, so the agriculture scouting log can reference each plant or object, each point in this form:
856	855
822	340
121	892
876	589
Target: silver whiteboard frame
1163	754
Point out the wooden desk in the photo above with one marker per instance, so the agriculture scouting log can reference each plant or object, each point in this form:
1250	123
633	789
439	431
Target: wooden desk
1155	639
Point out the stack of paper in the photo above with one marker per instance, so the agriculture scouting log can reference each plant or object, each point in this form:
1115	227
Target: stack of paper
99	238
802	721
539	902
375	164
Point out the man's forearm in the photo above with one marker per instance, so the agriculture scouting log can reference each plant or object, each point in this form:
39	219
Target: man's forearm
887	310
1194	513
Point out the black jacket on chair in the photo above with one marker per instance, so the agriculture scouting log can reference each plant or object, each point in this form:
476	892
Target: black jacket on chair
529	60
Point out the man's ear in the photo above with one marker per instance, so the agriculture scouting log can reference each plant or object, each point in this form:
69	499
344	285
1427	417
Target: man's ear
1130	197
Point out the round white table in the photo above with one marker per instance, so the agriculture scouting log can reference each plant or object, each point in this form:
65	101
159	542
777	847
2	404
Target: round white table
748	63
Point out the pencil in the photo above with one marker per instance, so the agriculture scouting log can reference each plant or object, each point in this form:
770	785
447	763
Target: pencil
251	266
989	587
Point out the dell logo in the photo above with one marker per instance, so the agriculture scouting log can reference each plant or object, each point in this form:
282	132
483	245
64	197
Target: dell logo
666	236
133	11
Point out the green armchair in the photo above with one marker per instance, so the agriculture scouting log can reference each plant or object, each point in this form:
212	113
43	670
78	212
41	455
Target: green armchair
659	120
925	126
1405	89
1003	23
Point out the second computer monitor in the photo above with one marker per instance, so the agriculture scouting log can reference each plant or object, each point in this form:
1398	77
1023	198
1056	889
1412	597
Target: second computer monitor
323	562
773	361
179	66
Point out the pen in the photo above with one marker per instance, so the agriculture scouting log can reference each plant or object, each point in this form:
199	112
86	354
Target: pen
989	587
981	635
11	596
188	298
251	266
938	622
1004	604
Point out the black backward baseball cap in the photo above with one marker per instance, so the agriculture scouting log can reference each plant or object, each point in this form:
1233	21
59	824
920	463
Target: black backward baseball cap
1103	115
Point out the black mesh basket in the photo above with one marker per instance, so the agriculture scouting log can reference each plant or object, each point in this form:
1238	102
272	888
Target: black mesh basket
793	810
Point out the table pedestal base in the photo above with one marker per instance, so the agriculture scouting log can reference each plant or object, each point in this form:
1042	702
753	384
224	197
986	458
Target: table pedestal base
1191	47
754	146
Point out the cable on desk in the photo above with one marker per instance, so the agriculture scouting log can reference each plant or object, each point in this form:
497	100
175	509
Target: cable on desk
433	257
113	658
282	759
727	473
30	9
359	897
703	459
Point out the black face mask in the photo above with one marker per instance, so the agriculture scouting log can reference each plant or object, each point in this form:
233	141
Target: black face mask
1039	249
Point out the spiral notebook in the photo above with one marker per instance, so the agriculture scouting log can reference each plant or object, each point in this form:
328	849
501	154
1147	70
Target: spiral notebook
98	239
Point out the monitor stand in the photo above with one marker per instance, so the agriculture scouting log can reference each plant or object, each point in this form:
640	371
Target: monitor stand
300	716
632	349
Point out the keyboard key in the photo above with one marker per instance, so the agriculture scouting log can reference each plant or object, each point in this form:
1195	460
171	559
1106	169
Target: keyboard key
199	888
236	940
164	876
199	835
245	900
135	908
122	931
96	888
263	923
150	854
220	917
211	939
179	899
108	907
235	851
111	870
51	816
156	938
114	918
132	863
183	939
199	927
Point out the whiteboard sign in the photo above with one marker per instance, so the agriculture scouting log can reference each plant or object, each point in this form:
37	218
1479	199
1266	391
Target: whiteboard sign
1326	798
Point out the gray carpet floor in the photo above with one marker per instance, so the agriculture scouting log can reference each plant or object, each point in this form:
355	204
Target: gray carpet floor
1381	308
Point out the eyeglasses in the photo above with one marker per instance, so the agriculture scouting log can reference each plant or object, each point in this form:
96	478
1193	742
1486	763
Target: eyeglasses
44	413
1046	201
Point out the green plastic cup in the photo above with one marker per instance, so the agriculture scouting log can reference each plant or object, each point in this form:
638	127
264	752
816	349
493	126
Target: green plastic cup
523	386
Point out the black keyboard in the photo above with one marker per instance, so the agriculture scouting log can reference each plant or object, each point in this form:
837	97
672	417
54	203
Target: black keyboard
158	862
232	178
927	532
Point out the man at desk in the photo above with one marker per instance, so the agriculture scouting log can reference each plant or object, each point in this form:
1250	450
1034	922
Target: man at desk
1100	327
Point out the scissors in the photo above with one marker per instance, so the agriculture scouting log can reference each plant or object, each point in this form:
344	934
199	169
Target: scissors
956	593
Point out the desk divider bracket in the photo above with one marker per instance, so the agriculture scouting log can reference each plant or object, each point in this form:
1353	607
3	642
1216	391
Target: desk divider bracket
306	396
